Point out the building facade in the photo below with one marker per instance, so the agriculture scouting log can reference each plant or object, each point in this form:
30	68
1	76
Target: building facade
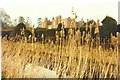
67	22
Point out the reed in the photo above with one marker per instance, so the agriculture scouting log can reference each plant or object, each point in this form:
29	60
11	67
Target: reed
71	60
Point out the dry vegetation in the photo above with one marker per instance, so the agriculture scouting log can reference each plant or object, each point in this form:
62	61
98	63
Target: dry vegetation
69	61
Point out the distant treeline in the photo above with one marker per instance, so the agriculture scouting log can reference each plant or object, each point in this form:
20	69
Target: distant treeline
109	27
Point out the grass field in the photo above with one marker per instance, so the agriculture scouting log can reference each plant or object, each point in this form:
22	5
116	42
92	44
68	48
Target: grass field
70	61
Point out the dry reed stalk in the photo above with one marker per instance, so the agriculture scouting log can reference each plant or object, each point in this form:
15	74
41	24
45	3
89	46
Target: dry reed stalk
64	67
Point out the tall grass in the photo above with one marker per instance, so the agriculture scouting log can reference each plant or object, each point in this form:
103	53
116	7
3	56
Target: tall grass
70	60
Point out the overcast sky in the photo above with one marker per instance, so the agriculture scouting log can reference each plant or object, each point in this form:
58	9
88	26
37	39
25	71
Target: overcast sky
91	9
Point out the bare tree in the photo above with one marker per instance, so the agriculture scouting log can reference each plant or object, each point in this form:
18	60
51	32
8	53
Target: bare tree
27	21
39	22
21	19
4	18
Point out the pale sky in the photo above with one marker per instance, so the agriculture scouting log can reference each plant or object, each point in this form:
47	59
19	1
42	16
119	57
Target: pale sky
86	9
